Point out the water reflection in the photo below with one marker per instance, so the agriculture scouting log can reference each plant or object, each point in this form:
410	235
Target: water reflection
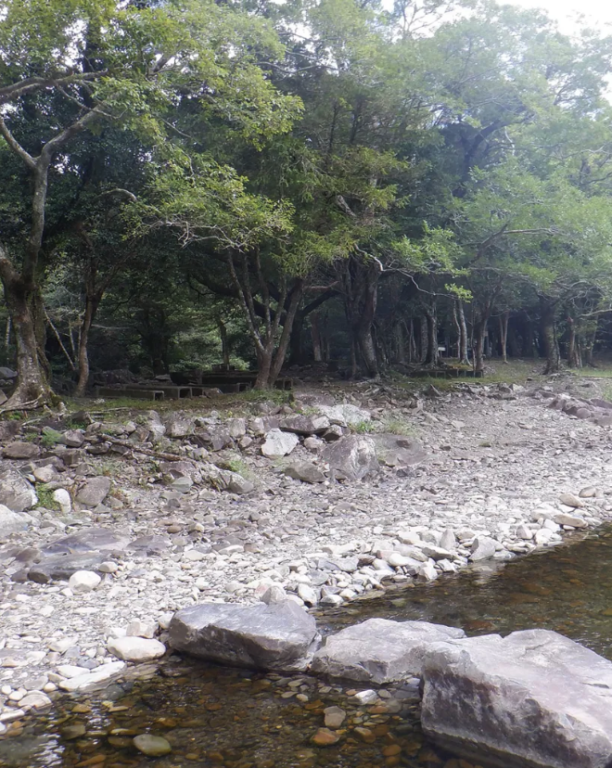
236	719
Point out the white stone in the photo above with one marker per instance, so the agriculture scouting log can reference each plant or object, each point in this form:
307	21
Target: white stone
366	697
101	673
83	581
279	444
136	649
62	497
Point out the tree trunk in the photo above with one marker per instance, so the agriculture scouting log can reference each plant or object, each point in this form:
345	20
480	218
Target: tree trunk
462	350
22	300
400	343
573	348
423	338
503	336
264	366
589	346
527	336
549	335
432	354
365	342
225	347
91	307
480	330
316	337
296	342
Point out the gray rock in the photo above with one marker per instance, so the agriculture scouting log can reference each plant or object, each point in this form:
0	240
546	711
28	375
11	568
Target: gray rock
61	567
533	698
7	373
483	548
345	414
380	651
398	450
571	501
352	458
136	649
94	491
179	425
236	427
20	450
279	636
239	484
279	444
448	539
274	594
12	522
305	425
571	520
16	493
305	471
87	540
335	432
73	438
334	717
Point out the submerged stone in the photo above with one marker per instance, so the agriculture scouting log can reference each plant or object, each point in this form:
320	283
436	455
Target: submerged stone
152	746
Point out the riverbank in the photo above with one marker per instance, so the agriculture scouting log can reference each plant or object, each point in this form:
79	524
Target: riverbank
491	469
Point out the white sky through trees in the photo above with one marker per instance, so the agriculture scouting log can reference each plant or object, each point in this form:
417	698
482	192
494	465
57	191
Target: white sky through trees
596	13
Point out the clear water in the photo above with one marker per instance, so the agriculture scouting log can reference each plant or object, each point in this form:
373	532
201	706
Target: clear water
226	718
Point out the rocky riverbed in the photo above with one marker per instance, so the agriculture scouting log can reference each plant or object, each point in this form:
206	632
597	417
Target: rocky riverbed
113	520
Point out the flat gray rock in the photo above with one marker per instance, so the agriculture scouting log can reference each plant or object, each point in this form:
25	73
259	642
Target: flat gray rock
279	636
86	541
534	698
380	651
62	567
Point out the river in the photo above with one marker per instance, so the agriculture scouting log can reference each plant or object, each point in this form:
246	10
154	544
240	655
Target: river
230	718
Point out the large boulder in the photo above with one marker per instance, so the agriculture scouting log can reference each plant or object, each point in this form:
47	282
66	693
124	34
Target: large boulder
279	636
352	458
398	450
302	424
345	414
94	491
380	651
279	444
12	522
179	425
16	492
534	698
305	471
21	450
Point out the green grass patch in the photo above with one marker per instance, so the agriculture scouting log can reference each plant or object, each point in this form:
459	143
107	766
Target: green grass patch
45	497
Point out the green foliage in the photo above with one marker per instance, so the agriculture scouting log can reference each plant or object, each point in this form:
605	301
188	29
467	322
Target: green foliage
45	497
50	437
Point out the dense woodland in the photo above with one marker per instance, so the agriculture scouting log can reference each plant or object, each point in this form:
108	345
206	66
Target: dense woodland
185	183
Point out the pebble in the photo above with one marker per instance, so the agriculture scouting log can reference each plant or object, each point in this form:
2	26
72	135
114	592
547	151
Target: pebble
324	737
152	746
334	717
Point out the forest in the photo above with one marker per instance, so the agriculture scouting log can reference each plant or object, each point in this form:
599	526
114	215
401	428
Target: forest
260	184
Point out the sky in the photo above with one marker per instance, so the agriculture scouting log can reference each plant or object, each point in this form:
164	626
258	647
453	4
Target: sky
596	12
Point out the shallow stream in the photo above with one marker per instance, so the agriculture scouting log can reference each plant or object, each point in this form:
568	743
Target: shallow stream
228	718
